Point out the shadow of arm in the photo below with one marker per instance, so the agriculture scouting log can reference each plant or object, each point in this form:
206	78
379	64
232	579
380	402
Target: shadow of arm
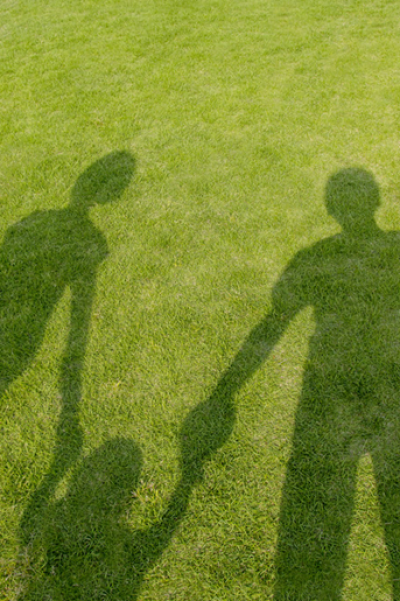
209	424
69	436
206	428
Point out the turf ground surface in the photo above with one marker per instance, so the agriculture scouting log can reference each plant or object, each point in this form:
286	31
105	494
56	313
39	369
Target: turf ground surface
199	310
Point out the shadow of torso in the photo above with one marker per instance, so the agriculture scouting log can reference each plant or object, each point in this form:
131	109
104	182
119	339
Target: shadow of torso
40	256
354	288
349	405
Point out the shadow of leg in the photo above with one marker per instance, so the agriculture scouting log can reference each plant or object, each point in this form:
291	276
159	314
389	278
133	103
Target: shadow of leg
387	474
67	450
316	511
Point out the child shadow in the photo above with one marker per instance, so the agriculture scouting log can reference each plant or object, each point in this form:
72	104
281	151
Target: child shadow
85	549
83	552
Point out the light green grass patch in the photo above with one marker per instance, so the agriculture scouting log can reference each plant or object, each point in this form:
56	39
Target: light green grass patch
143	455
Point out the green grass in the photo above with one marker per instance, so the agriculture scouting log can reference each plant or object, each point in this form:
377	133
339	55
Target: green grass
199	378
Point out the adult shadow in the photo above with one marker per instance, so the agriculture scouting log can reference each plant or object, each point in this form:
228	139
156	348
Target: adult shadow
349	400
40	257
347	407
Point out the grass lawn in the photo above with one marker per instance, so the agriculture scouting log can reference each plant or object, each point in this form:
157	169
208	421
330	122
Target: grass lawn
200	300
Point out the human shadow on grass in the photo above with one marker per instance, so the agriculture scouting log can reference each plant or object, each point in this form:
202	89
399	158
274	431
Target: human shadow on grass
83	552
349	403
40	257
347	407
86	548
51	250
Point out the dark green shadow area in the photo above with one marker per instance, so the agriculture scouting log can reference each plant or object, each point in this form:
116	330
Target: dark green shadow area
84	549
348	406
40	257
44	254
349	403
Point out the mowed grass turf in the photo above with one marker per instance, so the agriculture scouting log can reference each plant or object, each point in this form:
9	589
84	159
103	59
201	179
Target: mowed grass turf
199	374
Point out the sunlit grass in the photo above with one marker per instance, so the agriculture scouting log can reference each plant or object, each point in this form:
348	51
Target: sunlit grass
234	115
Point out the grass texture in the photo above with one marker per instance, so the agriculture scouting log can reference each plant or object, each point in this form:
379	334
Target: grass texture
199	300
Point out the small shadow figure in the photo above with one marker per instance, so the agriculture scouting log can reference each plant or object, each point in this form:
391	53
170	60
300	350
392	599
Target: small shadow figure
40	257
84	549
348	406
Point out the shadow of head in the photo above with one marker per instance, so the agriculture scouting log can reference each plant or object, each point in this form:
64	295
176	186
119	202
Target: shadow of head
352	198
104	181
107	477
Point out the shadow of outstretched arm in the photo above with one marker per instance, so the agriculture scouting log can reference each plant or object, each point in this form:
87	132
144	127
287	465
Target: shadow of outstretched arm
205	430
209	424
69	434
